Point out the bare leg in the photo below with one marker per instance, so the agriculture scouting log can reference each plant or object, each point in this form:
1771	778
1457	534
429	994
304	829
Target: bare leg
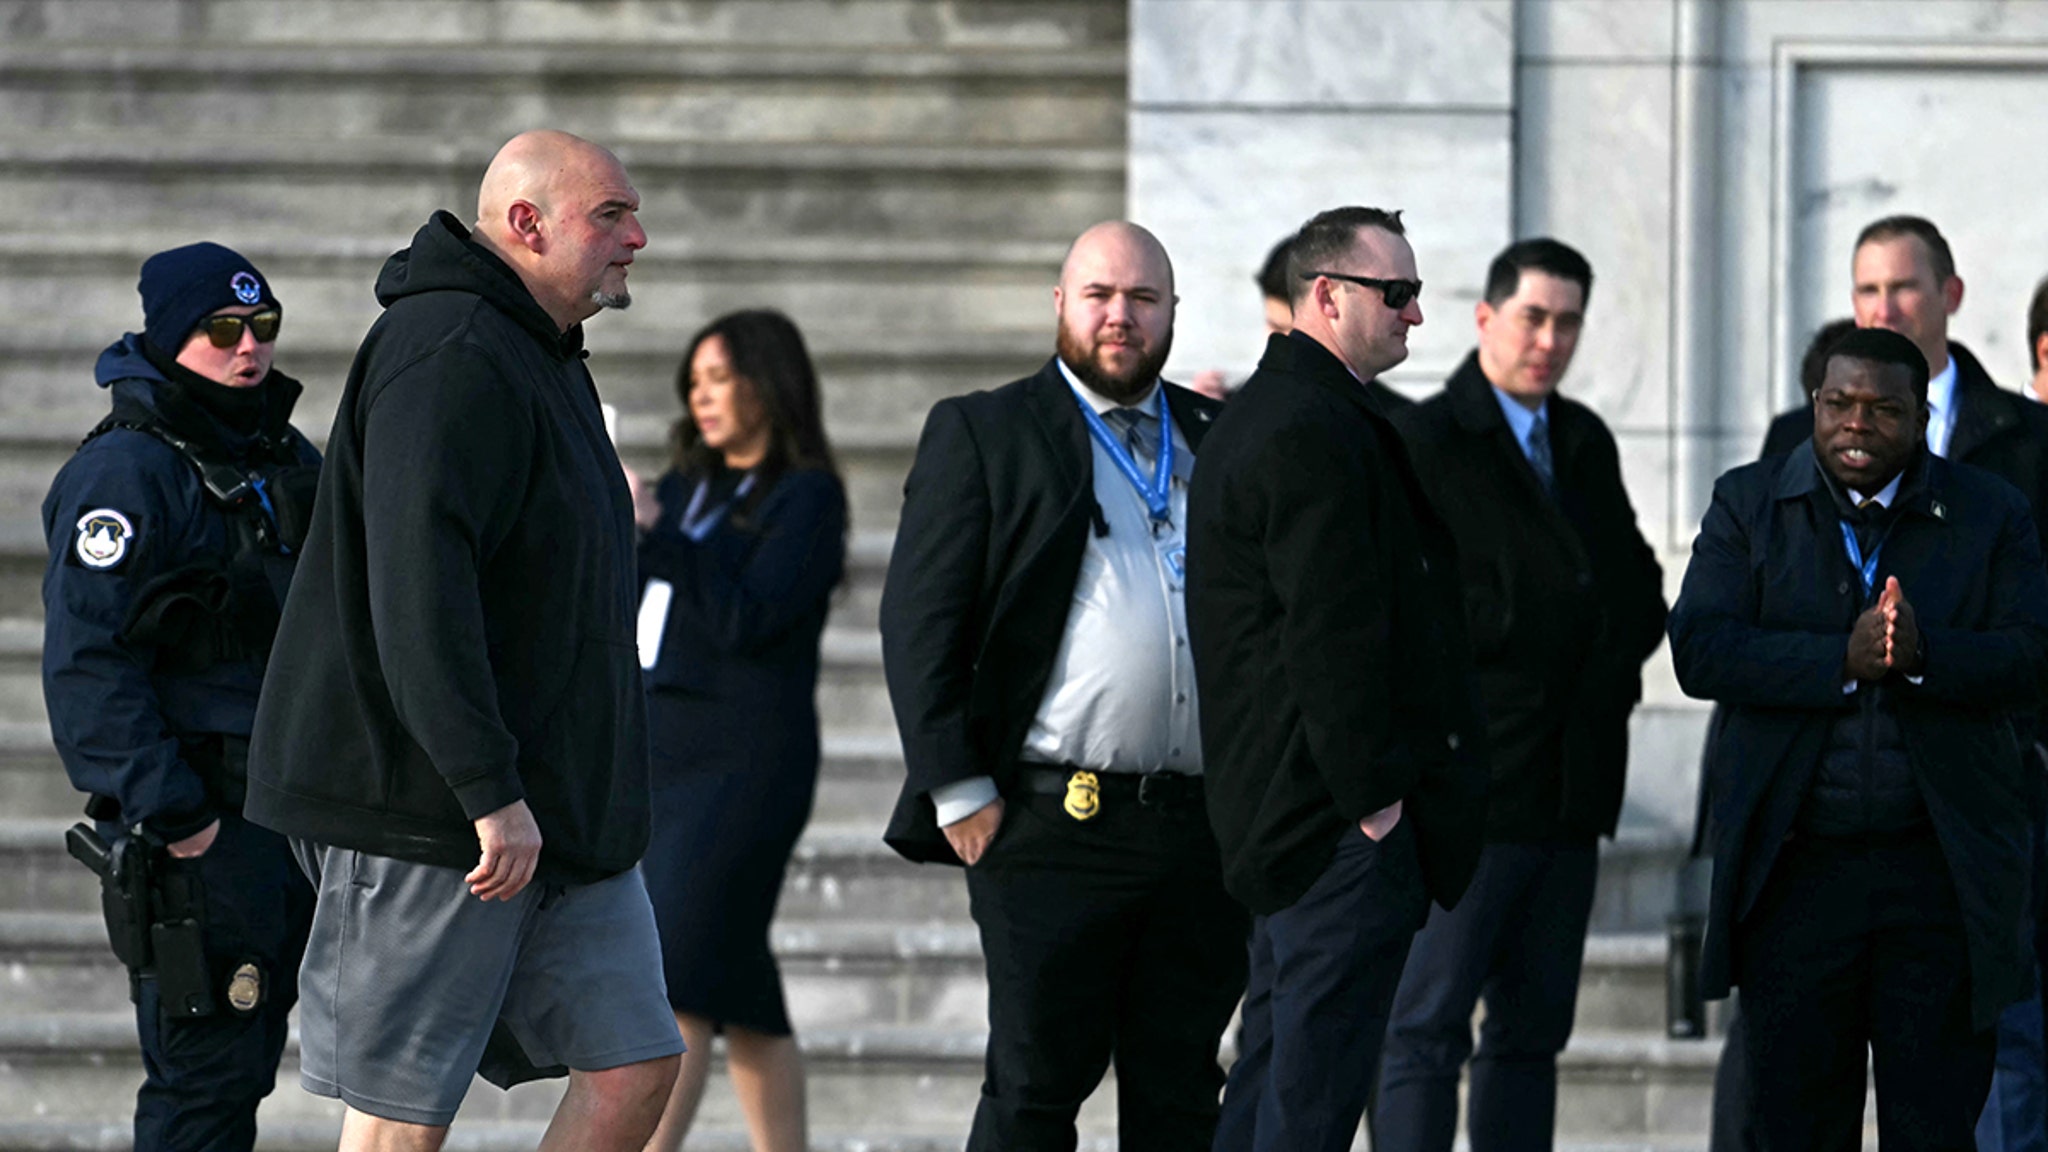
615	1110
362	1132
689	1087
768	1076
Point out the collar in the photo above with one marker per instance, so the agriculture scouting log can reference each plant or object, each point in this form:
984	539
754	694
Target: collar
1096	400
1520	419
1884	495
1941	389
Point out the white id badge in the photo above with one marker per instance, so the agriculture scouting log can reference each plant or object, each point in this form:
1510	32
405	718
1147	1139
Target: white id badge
653	620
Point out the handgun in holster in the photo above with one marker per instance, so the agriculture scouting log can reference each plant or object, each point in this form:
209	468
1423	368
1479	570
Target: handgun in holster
155	918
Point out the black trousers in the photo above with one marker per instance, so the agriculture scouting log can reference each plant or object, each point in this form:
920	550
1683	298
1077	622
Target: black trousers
1854	952
1107	941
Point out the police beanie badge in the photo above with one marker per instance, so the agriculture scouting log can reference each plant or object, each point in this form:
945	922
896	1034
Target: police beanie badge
103	538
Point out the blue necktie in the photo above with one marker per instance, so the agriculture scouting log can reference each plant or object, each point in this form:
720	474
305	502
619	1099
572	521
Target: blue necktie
1539	453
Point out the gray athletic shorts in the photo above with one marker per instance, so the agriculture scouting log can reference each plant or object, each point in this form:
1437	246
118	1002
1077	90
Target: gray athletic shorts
411	986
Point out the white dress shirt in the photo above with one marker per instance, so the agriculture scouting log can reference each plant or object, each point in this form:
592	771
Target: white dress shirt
1121	696
1941	411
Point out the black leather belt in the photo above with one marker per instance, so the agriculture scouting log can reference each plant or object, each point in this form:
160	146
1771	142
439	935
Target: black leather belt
1147	789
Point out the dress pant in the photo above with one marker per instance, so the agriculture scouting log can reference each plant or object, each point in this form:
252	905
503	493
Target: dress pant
1836	1128
1323	974
1855	948
1109	940
1517	940
2013	1112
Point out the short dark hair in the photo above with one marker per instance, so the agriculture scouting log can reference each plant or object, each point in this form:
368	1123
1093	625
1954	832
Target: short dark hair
1273	273
1330	236
1893	227
1884	346
1813	367
2037	323
1543	254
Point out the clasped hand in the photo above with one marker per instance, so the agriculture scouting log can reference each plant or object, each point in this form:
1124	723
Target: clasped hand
1886	638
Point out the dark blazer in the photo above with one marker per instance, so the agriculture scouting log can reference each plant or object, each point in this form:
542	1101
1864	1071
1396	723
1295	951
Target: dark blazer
1563	600
735	680
1389	400
1329	643
996	516
1761	626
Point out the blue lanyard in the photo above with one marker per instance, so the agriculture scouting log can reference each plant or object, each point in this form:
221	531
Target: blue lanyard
698	523
1158	493
1866	567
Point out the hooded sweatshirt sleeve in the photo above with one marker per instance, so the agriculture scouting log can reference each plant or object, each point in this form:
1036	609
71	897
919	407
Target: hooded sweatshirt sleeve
448	446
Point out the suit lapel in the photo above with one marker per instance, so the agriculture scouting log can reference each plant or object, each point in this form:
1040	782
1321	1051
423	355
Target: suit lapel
1983	410
1057	420
1479	414
1192	413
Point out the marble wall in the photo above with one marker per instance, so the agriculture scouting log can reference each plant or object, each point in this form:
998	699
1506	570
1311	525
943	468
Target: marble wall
1713	159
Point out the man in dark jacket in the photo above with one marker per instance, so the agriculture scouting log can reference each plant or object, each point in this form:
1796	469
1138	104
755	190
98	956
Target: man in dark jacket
1563	601
1339	720
1036	649
171	535
1903	278
1871	618
452	728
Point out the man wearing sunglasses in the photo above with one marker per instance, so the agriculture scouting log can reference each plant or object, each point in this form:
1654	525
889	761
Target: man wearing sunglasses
1345	754
172	535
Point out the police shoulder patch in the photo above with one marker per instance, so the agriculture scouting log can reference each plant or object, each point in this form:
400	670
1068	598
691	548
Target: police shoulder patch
104	537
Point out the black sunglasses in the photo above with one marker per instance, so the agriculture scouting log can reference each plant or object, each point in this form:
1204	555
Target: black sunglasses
1397	293
226	331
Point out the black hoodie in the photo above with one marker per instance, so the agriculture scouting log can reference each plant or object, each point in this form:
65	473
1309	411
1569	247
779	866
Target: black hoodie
460	632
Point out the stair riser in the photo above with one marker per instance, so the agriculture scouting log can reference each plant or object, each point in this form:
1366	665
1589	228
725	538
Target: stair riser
832	23
744	110
835	307
300	192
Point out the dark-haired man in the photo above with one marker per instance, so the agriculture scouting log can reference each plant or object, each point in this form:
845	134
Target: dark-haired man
1871	617
1564	601
1035	642
172	533
1339	725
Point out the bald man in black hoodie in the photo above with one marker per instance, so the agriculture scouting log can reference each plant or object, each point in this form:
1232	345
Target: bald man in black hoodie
452	731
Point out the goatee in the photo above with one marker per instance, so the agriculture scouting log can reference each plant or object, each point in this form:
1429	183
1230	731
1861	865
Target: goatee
1122	387
619	299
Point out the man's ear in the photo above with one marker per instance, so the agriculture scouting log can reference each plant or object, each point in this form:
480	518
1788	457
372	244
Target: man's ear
2041	349
1325	292
1059	301
523	221
1952	294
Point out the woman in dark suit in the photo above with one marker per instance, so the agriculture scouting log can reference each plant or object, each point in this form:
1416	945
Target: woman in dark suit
737	570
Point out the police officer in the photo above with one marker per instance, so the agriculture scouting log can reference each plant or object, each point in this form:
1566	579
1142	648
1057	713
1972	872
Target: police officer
171	534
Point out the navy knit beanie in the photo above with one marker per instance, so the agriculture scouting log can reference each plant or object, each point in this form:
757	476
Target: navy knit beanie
185	285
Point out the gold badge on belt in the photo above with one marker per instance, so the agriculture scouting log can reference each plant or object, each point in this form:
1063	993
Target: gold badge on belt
1084	798
245	988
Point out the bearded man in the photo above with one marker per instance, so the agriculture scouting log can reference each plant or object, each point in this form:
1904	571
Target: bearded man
1035	640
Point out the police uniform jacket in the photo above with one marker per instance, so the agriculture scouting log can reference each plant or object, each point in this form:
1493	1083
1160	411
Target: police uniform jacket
128	522
1761	626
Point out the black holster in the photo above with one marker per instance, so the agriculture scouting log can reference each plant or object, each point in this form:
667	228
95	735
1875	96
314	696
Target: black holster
156	918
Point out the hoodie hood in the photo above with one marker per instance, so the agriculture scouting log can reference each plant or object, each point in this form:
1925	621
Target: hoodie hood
142	390
444	258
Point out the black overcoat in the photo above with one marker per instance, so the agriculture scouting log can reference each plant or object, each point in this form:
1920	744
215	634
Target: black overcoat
996	516
1563	599
1761	626
1329	640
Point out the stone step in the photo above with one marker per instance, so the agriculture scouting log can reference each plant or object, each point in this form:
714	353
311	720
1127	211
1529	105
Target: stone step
962	26
852	697
839	872
23	557
911	1081
841	299
836	974
612	92
385	186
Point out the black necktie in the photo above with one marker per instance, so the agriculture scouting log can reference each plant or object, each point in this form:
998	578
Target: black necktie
1539	453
